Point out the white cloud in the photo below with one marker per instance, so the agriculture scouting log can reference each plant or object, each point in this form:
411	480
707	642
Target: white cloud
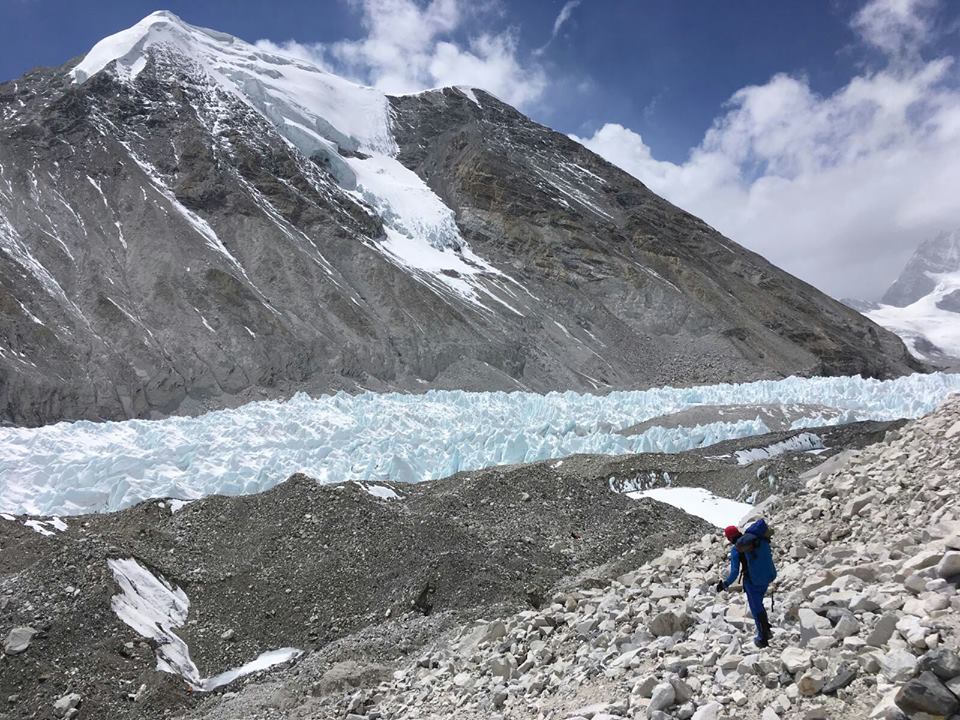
565	12
895	26
410	47
836	189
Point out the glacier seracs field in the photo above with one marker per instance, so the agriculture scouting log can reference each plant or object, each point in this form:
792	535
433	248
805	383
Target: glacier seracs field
80	467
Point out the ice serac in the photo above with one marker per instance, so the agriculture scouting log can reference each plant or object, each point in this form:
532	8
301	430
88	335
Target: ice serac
189	222
74	468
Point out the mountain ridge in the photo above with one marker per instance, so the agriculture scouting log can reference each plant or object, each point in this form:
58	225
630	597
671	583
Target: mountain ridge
171	247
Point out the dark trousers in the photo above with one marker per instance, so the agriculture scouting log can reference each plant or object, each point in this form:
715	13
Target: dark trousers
755	595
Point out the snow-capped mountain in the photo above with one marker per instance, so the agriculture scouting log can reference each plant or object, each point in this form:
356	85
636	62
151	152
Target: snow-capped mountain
190	222
923	305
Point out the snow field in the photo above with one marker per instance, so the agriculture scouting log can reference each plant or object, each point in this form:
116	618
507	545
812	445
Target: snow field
925	318
74	468
702	503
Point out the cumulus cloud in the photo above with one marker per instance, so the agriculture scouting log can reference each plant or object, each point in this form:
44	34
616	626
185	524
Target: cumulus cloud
408	47
895	26
836	189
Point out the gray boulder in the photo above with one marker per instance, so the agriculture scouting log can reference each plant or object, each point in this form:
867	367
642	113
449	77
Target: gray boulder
663	697
66	706
949	566
943	663
926	694
845	675
18	640
667	623
883	630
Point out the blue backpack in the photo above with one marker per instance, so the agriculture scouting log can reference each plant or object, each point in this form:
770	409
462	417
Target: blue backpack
756	557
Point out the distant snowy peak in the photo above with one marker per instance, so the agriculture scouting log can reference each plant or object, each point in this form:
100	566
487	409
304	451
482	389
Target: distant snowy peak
919	278
923	305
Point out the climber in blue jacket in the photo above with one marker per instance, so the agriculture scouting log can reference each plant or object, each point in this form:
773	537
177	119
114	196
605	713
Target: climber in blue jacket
751	553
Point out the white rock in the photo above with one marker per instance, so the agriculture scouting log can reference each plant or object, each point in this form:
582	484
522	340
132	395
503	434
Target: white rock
887	709
847	625
667	623
882	631
682	691
710	711
823	642
795	659
496	630
503	667
811	624
67	703
464	680
589	711
923	559
935	601
645	687
18	640
912	631
898	665
811	682
663	697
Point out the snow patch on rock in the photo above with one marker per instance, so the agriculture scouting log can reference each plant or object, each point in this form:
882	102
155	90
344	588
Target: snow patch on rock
696	501
154	608
319	114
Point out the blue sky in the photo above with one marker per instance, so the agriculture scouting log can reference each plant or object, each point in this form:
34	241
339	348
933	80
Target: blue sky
660	67
784	124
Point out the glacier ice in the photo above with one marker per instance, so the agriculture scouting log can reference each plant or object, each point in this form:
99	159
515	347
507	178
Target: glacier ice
73	468
804	442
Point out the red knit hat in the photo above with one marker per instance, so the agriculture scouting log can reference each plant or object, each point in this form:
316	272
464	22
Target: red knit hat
731	533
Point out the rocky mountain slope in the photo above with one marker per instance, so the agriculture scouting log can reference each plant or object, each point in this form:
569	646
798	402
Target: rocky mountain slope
188	222
923	305
866	618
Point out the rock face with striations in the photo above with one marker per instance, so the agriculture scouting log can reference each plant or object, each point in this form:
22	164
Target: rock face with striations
188	222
